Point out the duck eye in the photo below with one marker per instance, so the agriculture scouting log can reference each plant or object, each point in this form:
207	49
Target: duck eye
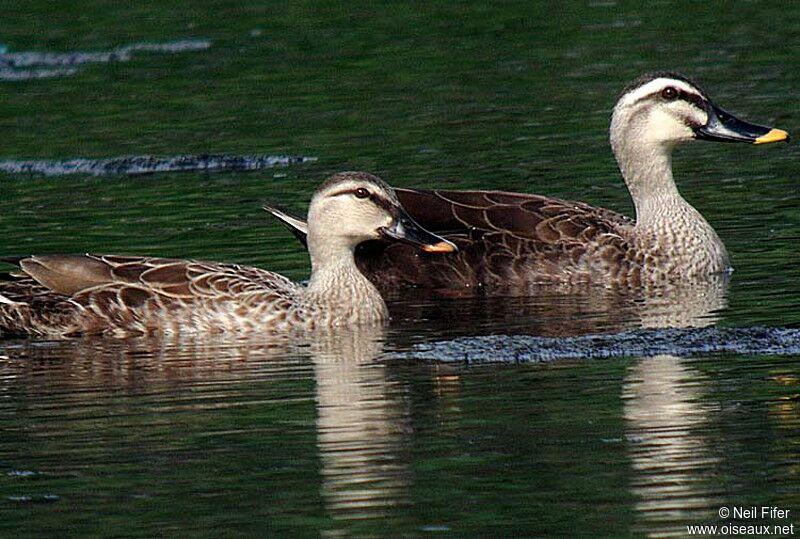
361	193
669	93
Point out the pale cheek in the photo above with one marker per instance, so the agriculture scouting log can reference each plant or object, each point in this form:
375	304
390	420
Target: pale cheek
701	118
368	223
665	128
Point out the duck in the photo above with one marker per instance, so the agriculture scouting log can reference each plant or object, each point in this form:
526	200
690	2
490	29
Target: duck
72	295
515	242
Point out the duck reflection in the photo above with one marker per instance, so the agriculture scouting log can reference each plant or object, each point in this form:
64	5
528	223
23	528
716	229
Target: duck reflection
363	427
553	312
158	364
362	416
666	424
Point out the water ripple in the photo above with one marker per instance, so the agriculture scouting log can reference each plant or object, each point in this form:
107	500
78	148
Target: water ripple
64	62
638	343
29	74
148	164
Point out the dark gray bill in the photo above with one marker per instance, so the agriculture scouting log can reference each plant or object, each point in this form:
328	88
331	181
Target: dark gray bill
725	127
406	230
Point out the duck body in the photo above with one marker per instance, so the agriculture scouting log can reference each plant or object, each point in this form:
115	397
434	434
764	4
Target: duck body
69	295
86	294
516	243
123	295
512	241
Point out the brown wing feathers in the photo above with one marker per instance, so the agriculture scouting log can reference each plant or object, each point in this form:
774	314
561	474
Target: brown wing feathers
503	238
88	292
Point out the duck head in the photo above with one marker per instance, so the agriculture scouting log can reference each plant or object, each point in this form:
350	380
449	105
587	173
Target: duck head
353	207
666	109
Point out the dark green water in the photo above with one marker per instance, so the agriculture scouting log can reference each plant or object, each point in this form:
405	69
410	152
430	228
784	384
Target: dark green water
247	438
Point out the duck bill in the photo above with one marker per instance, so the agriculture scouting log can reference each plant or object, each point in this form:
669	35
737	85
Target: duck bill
406	230
723	126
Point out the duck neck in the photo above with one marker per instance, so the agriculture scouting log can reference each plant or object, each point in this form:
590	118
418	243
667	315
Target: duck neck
648	176
665	222
337	289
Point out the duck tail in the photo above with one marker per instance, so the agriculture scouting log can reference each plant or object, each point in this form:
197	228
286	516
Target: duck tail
295	223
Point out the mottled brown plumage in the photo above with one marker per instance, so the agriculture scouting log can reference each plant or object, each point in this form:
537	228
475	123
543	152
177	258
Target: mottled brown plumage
505	240
83	294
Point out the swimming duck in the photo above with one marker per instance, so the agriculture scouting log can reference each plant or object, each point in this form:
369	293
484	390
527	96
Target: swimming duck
520	241
66	295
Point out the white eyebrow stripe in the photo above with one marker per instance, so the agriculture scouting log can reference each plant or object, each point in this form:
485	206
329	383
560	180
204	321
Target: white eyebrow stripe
655	86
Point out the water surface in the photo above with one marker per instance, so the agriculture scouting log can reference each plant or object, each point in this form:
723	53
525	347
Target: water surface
252	437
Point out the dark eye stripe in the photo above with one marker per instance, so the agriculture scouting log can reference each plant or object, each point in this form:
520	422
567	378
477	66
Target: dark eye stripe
375	198
383	203
689	97
692	98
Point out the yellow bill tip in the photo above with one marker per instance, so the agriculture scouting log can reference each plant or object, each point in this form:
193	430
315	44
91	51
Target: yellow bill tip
774	135
441	247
